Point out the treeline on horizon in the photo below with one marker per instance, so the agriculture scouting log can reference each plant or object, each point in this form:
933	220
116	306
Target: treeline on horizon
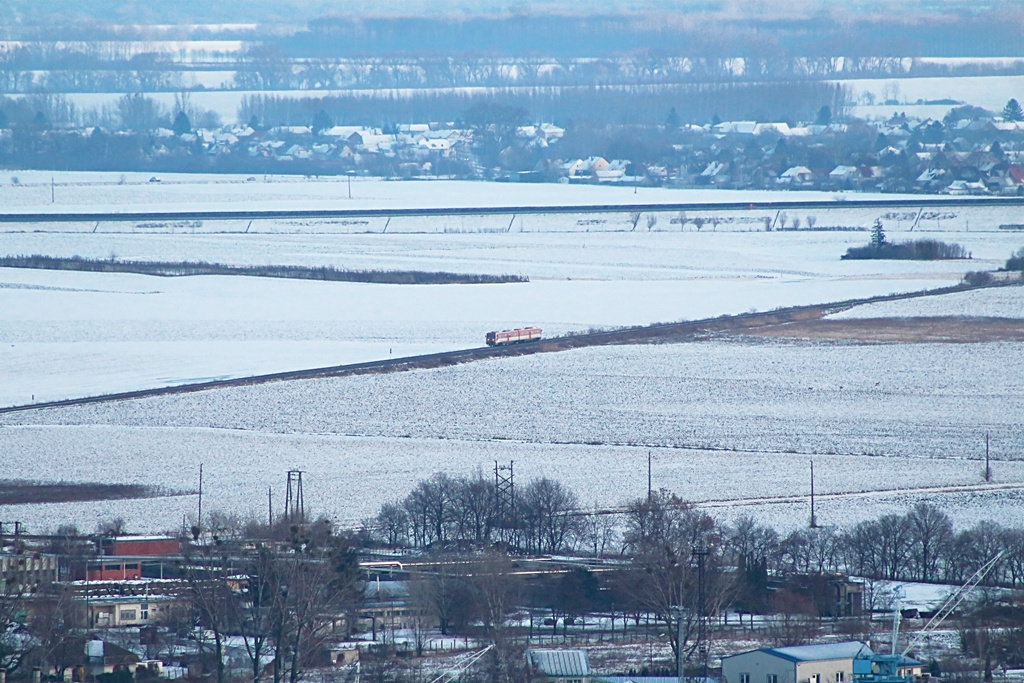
448	513
954	30
645	105
186	268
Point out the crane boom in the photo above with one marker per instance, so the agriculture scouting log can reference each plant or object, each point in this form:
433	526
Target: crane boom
459	667
954	601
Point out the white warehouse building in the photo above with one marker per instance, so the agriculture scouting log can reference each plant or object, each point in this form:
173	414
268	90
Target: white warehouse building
831	663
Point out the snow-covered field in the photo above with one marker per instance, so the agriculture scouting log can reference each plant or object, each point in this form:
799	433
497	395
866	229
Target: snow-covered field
997	303
988	92
98	191
70	334
724	420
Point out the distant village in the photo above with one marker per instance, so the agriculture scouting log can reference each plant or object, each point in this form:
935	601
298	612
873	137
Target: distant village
969	152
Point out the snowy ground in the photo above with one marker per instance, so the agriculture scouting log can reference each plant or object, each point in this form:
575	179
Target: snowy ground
74	334
46	191
724	420
999	303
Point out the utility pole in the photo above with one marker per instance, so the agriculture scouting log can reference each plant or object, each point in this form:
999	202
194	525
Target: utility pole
505	500
294	504
649	491
700	553
270	506
199	517
814	518
988	470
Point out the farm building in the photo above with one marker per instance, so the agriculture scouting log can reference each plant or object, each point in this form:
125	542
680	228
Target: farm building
566	666
831	663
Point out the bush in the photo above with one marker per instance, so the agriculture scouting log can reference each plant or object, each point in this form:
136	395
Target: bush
977	278
1016	262
914	250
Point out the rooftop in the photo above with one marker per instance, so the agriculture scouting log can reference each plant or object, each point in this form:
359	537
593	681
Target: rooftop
560	662
814	653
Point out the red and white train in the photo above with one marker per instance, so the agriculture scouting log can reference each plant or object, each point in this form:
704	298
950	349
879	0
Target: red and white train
517	336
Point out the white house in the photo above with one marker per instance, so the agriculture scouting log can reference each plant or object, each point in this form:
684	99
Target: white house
803	664
796	175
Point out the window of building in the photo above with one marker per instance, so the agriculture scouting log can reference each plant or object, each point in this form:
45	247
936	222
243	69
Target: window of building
840	676
129	615
744	678
814	678
771	678
144	611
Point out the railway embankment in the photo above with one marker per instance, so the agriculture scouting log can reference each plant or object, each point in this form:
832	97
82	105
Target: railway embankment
675	332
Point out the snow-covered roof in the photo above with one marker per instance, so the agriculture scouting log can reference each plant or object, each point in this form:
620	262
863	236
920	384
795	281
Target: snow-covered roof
840	171
795	171
819	653
561	662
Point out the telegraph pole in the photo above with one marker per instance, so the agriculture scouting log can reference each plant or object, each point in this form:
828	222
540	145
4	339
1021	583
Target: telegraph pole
814	518
988	470
700	554
199	517
648	476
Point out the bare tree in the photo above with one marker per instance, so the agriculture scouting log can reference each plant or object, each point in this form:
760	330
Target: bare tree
443	590
931	531
652	220
430	509
206	568
392	524
312	593
549	514
138	112
55	615
812	220
676	566
14	644
473	504
634	218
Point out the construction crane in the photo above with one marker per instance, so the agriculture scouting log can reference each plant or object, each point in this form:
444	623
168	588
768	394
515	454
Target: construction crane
461	665
878	668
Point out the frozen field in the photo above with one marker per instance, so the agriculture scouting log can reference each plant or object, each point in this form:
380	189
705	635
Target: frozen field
725	421
42	191
65	334
1007	302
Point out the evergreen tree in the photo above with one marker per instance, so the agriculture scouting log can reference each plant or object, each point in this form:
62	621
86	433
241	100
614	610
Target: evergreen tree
673	118
877	234
824	116
321	122
181	124
1012	111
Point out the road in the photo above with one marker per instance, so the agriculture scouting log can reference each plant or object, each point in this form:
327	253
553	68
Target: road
843	203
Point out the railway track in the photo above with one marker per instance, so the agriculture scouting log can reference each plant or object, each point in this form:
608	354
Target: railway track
680	331
129	216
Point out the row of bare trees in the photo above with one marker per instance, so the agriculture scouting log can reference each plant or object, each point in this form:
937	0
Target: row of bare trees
445	510
920	545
